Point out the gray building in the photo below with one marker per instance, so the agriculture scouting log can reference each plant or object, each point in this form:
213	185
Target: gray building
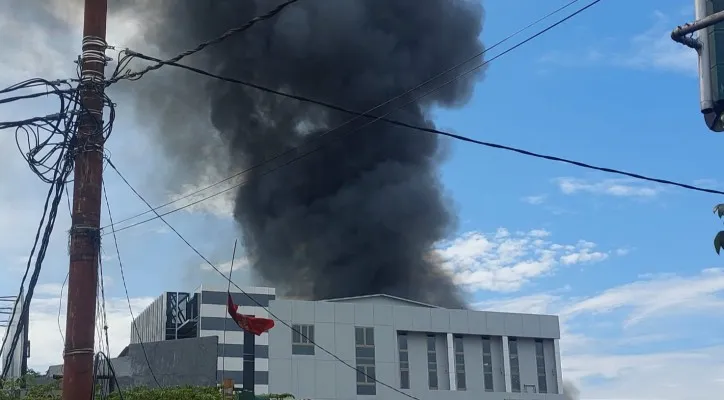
15	359
397	344
425	351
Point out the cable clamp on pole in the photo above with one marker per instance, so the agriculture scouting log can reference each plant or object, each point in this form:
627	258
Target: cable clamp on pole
74	352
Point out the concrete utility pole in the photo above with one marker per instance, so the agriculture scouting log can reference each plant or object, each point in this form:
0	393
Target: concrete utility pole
709	16
85	228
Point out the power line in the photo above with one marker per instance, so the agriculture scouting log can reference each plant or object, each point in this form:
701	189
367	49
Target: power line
418	128
357	114
60	306
50	155
104	319
113	376
125	287
271	314
137	75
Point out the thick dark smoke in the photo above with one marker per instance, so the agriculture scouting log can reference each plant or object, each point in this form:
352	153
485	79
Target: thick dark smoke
570	391
361	215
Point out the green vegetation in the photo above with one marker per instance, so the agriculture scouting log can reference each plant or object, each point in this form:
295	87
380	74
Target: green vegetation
12	390
719	238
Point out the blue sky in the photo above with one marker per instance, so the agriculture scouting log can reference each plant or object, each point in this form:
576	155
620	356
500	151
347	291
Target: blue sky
629	266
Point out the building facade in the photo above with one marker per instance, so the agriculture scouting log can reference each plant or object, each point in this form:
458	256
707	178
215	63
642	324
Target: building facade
15	360
425	351
202	313
369	347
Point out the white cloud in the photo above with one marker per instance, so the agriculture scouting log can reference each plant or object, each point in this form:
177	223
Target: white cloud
656	296
623	366
623	251
661	376
221	205
652	49
46	337
707	182
239	264
535	200
535	304
609	187
505	261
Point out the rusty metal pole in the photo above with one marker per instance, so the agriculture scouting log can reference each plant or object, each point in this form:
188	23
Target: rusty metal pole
85	228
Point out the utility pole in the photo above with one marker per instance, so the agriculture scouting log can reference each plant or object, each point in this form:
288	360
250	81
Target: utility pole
86	216
709	15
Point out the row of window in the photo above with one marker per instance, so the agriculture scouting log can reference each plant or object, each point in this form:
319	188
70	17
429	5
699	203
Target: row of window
364	339
303	338
432	372
459	358
303	344
515	367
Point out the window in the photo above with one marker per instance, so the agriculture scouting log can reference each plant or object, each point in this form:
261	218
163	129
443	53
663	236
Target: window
459	362
365	353
404	360
364	336
303	340
487	365
540	362
514	365
431	362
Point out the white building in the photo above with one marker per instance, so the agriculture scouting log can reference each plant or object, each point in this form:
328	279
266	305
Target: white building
423	350
18	358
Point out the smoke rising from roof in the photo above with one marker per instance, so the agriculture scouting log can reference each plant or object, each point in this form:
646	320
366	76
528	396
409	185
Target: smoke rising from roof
359	216
570	391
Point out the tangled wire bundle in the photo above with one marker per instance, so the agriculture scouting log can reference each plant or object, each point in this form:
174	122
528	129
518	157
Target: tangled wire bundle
49	144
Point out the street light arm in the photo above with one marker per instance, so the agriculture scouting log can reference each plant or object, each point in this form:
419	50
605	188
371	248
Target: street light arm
681	33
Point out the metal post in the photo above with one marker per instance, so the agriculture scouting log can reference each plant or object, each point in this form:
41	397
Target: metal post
248	363
85	228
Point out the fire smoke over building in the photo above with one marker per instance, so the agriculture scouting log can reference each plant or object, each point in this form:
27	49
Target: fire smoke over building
360	215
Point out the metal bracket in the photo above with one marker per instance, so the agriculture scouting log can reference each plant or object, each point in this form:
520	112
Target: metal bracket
681	33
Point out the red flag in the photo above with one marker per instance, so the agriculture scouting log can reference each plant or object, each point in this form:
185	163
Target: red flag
249	323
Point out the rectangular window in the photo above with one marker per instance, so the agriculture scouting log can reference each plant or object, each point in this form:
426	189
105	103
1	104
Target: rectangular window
303	340
459	362
431	362
514	365
540	362
404	360
365	353
487	365
364	336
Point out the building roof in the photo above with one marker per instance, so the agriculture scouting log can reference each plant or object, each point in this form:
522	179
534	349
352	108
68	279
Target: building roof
384	296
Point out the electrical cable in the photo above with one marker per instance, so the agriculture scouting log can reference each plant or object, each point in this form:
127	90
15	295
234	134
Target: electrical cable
50	211
111	370
101	284
357	114
418	128
125	287
119	75
60	306
67	274
51	158
252	298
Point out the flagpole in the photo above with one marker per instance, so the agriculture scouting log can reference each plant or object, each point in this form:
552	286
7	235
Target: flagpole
228	292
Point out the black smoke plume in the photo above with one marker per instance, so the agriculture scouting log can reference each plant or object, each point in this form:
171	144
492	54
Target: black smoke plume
361	215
